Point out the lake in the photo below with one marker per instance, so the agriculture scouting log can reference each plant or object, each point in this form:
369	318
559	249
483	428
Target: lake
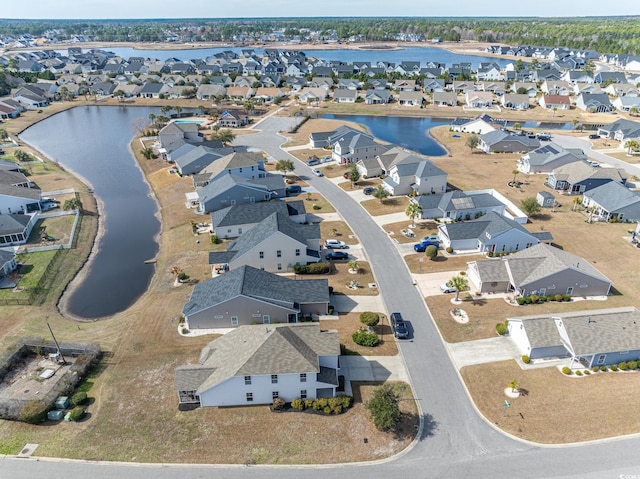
92	142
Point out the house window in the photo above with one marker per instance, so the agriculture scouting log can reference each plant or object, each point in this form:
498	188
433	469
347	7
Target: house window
274	379
517	246
239	231
189	396
303	394
249	397
234	320
266	319
303	377
279	266
570	291
261	254
601	358
297	251
279	253
229	230
240	170
275	394
247	380
233	202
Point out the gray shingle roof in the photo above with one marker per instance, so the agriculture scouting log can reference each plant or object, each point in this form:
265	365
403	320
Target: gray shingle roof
224	183
12	224
613	196
254	213
232	161
542	332
255	283
260	350
492	223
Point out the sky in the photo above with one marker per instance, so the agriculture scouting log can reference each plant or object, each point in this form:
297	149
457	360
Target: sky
101	9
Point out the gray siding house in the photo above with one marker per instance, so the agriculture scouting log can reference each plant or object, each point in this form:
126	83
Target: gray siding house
591	338
612	201
501	142
249	295
232	221
232	190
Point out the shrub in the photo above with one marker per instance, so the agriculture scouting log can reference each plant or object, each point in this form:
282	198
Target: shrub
369	319
490	254
335	403
520	301
527	300
595	369
558	297
327	410
622	366
603	368
319	268
384	407
543	299
566	297
278	404
587	372
301	268
534	298
526	359
298	404
33	412
184	330
566	370
78	398
632	365
551	298
347	401
308	403
501	329
578	373
182	276
613	368
77	413
449	249
214	239
337	409
316	207
322	402
365	338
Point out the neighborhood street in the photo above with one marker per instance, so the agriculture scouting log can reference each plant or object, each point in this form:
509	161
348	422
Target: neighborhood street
455	442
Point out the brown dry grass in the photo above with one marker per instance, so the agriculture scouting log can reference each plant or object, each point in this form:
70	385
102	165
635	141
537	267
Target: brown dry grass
394	204
420	229
343	232
369	182
555	408
484	313
348	323
315	199
339	277
301	137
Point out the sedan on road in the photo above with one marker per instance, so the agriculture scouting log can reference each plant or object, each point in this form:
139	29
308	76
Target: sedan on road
337	255
318	173
398	325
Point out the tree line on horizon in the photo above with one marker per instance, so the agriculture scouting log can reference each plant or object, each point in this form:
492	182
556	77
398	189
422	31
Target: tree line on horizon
603	34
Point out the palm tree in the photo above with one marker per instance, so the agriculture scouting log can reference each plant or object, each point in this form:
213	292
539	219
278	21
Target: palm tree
514	385
353	265
225	136
554	109
178	110
576	201
574	123
515	175
633	111
152	117
166	109
147	152
460	283
413	211
631	145
3	134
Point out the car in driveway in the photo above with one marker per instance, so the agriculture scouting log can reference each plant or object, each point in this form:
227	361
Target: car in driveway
335	244
368	190
294	190
399	326
318	173
345	175
447	288
313	161
430	238
423	245
337	255
594	136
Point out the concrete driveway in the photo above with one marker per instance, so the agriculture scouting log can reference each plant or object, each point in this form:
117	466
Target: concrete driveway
429	284
482	351
357	304
373	368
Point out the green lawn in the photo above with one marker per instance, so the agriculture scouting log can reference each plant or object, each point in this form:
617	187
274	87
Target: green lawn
34	266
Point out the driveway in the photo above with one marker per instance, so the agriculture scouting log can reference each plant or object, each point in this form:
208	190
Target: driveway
429	284
482	351
373	368
357	304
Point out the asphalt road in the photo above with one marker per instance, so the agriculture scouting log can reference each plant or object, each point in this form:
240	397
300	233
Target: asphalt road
456	442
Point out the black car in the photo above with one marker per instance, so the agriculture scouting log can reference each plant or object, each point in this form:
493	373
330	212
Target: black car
337	255
398	325
594	136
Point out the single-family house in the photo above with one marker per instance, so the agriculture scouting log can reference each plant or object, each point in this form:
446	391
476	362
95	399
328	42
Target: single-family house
233	119
478	99
17	194
555	102
240	92
529	88
404	85
621	89
209	91
579	177
353	146
431	85
445	98
269	94
232	221
621	130
580	88
16	228
478	125
179	131
491	233
463	86
499	141
626	103
541	270
498	88
594	103
247	295
592	338
612	202
256	364
8	262
229	190
515	101
275	244
577	76
488	71
549	157
458	205
412	174
610	76
410	98
344	95
559	88
377	97
31	97
312	95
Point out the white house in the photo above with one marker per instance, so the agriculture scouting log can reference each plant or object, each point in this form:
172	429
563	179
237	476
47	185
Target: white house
256	364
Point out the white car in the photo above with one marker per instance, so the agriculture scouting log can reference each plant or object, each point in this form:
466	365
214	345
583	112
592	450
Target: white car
317	172
447	288
335	244
430	238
